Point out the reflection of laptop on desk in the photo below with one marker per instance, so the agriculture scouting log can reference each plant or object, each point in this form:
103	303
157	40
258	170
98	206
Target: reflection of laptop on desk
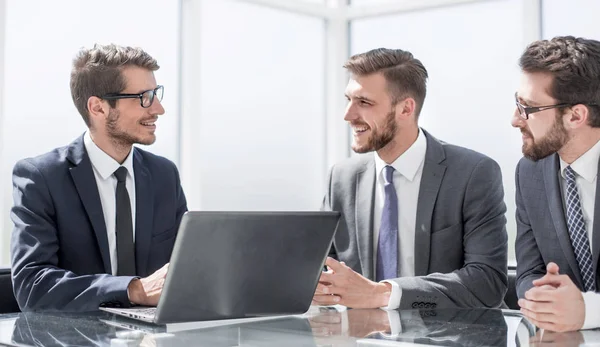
241	264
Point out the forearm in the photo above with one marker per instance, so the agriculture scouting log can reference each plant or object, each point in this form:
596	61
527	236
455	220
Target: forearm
471	286
51	289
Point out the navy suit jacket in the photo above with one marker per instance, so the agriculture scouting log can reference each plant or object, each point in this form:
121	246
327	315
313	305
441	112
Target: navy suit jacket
59	246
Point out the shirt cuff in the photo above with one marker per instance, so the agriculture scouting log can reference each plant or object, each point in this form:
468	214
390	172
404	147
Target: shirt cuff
395	296
592	310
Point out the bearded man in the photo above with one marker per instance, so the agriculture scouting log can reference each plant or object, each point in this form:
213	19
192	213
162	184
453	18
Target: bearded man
95	221
558	217
423	222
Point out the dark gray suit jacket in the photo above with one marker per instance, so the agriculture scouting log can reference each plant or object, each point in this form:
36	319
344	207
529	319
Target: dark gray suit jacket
460	236
59	245
542	234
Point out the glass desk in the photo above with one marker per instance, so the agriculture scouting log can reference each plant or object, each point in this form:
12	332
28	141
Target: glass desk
320	326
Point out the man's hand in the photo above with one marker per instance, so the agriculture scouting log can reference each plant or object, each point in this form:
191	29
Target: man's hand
555	303
146	291
342	285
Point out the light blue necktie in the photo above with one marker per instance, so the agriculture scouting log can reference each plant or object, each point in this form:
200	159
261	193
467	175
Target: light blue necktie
577	233
387	245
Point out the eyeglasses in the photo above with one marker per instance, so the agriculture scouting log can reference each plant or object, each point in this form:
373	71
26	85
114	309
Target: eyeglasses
146	97
525	111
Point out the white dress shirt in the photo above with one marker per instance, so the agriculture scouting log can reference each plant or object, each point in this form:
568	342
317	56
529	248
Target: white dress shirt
104	167
408	169
586	168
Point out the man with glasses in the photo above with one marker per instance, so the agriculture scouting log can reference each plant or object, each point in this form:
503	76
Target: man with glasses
423	221
558	217
95	221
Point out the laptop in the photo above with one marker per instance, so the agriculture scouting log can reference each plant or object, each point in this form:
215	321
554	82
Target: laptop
228	265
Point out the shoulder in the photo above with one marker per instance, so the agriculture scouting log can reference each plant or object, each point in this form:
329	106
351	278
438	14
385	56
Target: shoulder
352	165
459	158
466	157
528	166
154	163
48	163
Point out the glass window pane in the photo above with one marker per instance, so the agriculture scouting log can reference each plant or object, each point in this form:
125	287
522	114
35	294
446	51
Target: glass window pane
261	96
471	53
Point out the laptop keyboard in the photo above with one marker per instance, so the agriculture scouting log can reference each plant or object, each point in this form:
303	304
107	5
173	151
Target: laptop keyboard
146	311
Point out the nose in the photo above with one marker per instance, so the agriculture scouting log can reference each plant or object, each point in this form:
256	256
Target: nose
517	121
350	114
157	107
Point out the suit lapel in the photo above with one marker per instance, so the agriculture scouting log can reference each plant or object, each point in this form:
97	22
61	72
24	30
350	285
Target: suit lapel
365	198
144	214
555	203
87	188
431	180
596	229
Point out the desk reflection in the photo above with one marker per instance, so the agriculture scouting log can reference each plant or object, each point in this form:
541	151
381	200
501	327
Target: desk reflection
475	327
34	329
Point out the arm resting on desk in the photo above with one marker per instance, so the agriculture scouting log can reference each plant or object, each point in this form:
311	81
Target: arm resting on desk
39	284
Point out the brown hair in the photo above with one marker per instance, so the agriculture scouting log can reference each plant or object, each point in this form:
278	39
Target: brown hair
97	72
574	64
405	75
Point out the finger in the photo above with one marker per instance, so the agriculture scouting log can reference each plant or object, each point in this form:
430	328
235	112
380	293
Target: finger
537	307
553	280
540	317
334	264
321	289
545	293
327	278
552	268
326	299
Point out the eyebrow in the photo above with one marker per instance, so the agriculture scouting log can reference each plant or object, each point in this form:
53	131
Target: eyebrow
362	98
527	101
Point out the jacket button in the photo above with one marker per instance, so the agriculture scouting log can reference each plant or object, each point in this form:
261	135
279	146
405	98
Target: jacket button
414	305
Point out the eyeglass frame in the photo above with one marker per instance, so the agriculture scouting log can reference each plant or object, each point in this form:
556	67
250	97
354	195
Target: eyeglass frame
116	96
527	110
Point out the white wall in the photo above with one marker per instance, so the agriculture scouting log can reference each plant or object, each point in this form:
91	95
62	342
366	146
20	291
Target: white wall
579	18
471	53
256	95
42	38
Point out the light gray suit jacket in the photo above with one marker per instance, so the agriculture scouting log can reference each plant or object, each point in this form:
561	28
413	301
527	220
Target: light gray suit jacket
542	234
460	236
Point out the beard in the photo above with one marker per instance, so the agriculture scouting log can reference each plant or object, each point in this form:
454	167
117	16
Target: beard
120	137
551	143
379	138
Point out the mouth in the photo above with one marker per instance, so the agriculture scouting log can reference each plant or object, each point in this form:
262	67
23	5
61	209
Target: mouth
359	129
149	124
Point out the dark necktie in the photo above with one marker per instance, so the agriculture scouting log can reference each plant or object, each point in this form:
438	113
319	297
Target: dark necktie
577	233
124	227
387	245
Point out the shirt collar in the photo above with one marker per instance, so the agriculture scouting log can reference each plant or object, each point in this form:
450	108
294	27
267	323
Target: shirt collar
409	162
585	166
102	162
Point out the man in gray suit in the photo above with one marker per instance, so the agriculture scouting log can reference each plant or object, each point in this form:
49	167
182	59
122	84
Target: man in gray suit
423	221
558	219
